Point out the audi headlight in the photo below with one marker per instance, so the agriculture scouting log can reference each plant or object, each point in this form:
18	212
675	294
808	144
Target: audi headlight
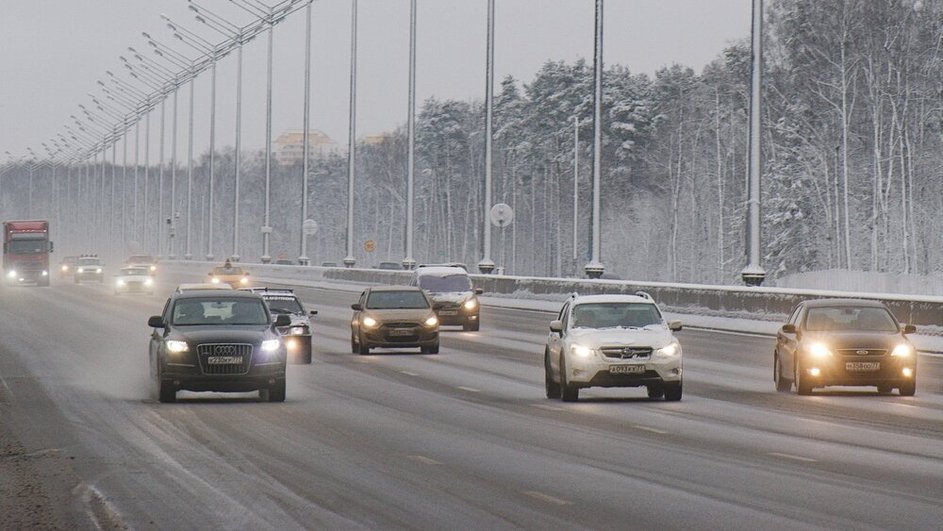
297	330
819	350
431	321
903	350
471	304
369	322
581	351
670	350
175	346
270	345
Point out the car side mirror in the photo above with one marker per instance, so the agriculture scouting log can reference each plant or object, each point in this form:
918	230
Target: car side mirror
556	326
788	328
356	307
156	321
910	329
313	312
674	326
282	320
479	291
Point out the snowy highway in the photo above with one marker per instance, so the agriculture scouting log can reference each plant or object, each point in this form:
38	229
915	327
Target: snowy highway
462	439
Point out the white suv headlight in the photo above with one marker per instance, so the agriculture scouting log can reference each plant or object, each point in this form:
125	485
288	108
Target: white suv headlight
670	350
581	351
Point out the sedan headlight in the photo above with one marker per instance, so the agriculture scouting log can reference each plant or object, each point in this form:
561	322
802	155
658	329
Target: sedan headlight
297	330
148	281
11	273
45	273
581	351
471	304
214	280
175	346
431	321
903	350
119	282
270	345
244	280
369	322
98	270
81	270
670	350
819	350
153	268
65	268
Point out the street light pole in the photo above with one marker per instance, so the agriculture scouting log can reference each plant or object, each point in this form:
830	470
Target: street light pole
408	261
487	264
267	226
754	274
303	256
349	260
595	268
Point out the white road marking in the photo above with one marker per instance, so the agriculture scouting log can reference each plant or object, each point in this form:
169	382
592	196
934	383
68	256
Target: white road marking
424	460
469	389
546	497
548	408
409	373
653	430
793	457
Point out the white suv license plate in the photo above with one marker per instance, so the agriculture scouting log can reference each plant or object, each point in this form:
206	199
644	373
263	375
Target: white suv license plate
862	366
626	369
224	360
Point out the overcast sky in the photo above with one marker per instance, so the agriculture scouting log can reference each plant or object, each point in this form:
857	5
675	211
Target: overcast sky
52	52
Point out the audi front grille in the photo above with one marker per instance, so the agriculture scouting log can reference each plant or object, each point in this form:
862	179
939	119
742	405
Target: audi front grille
230	358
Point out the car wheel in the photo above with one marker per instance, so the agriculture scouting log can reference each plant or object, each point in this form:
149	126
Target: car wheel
783	384
803	385
306	358
656	391
434	349
471	326
885	389
908	389
569	393
353	344
673	391
166	391
362	348
552	388
276	393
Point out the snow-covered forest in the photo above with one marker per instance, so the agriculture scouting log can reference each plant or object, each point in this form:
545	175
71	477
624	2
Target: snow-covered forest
852	138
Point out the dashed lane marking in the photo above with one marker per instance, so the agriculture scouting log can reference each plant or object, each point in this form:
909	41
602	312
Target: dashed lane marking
424	460
793	457
537	495
469	389
409	373
653	430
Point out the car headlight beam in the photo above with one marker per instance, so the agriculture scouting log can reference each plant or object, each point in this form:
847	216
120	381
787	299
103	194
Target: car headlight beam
271	345
431	321
175	346
819	350
903	350
670	350
369	322
581	351
470	304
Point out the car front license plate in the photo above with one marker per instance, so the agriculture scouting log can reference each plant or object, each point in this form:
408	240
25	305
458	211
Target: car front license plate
224	360
862	366
626	369
399	332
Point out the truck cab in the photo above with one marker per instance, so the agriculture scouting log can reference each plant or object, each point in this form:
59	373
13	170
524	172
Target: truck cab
26	249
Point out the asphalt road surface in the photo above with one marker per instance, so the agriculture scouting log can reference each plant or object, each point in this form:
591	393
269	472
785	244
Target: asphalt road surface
462	439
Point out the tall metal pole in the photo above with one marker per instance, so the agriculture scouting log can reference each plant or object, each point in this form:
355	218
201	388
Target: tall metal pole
754	274
349	260
266	225
173	179
160	183
147	181
237	154
137	164
188	255
487	264
211	209
576	187
303	256
124	184
408	261
594	269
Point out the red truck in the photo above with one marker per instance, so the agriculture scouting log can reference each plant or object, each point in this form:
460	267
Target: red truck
26	249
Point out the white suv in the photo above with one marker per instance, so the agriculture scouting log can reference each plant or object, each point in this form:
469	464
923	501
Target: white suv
612	341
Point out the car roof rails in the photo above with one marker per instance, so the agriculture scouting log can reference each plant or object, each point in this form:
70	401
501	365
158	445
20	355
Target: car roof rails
645	295
449	264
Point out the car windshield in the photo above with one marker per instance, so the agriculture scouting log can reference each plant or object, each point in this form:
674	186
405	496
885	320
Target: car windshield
134	272
283	304
219	311
615	315
140	259
850	318
27	246
390	300
442	284
227	270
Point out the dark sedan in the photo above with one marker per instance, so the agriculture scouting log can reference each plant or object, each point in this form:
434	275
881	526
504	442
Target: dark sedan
844	342
217	340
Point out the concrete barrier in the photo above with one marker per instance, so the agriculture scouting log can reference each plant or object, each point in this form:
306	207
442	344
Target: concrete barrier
772	304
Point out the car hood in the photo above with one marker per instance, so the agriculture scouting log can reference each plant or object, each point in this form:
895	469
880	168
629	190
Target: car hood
253	334
386	316
133	278
596	338
856	339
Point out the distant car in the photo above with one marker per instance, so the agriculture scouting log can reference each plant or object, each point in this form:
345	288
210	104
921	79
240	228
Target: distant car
134	280
454	299
390	266
235	276
89	267
142	260
284	261
200	286
612	341
216	340
67	266
394	317
328	264
844	342
297	335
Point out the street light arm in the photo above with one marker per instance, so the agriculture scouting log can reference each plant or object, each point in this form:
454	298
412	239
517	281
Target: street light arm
251	9
214	21
206	45
169	52
148	62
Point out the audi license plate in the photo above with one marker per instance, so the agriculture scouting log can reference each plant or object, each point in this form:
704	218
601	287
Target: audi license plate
862	366
399	332
224	360
626	369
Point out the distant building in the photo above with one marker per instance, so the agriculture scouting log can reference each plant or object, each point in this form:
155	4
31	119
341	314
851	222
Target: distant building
376	138
289	146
